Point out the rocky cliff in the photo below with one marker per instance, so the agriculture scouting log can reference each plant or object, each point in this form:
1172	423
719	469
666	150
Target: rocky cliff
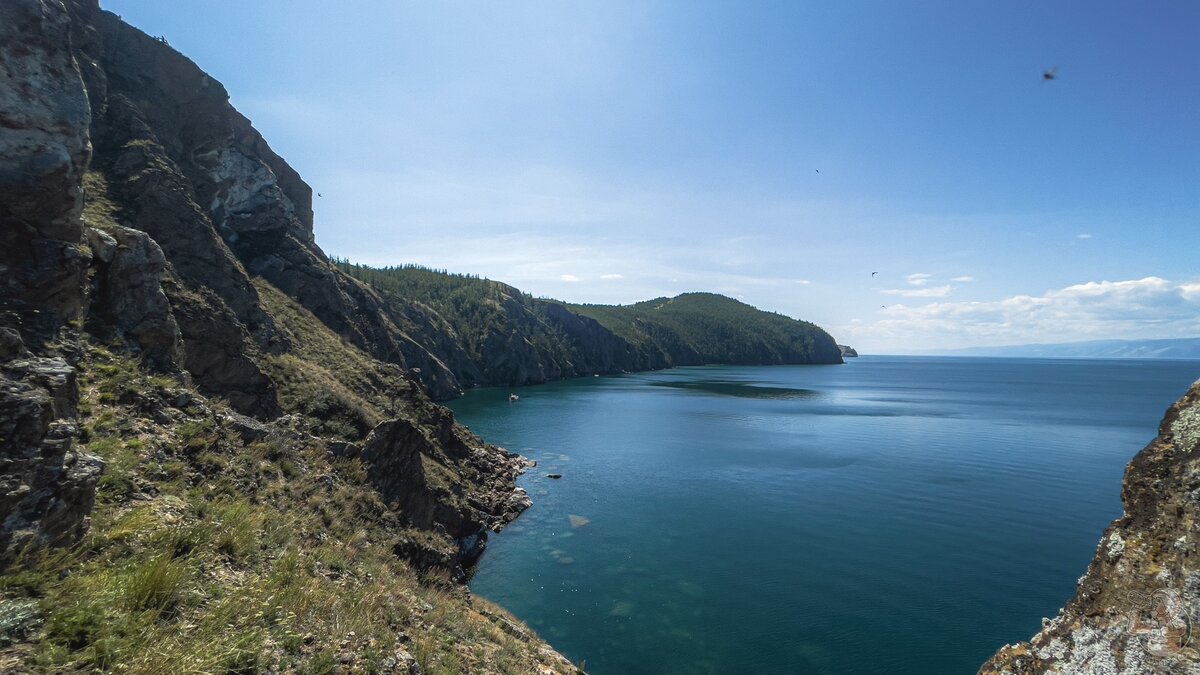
1136	609
216	453
47	487
140	207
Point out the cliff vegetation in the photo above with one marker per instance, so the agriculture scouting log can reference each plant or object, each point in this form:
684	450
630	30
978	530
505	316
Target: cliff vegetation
489	333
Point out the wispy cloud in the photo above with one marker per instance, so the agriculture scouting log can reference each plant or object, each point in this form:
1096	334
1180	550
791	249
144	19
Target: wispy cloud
612	276
568	278
963	279
1083	235
918	278
928	292
1151	307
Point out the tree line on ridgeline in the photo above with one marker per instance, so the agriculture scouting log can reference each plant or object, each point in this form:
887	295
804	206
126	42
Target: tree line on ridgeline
503	336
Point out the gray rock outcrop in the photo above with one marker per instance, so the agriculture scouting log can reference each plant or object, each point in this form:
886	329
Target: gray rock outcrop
44	150
46	488
128	293
1135	611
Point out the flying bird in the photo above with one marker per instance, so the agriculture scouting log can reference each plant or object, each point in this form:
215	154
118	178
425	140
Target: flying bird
874	273
1050	74
318	194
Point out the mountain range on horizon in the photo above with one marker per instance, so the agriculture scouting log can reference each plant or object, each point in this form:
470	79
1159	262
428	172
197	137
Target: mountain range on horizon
1173	348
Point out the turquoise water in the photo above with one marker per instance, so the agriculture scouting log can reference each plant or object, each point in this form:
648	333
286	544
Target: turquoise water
890	515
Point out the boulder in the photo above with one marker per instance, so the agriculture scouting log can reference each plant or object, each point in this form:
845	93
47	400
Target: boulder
128	292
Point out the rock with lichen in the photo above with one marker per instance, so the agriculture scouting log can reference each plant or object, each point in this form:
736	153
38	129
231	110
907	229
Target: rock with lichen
1137	610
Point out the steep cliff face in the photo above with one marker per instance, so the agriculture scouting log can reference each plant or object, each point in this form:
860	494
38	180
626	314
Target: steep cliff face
44	143
1135	611
153	241
182	369
173	156
46	486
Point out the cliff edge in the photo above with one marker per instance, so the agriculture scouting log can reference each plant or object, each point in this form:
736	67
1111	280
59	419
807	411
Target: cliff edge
1137	610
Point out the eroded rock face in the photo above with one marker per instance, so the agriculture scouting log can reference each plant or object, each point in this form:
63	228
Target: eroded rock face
195	175
1137	610
47	488
129	294
443	478
44	150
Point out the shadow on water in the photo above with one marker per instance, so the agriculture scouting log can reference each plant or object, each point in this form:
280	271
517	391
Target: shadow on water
739	389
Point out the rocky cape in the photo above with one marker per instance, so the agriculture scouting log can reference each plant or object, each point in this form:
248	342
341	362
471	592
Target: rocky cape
1137	609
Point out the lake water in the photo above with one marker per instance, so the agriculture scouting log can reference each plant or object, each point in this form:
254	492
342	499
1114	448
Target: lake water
889	515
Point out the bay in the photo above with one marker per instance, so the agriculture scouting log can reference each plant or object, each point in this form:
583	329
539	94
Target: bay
889	515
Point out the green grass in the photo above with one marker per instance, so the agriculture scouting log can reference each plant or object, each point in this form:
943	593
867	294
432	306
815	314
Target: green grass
99	210
341	391
210	555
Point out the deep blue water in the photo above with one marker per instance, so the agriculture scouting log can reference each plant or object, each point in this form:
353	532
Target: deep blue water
890	515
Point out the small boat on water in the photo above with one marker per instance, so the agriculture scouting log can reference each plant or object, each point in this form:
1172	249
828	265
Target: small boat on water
513	398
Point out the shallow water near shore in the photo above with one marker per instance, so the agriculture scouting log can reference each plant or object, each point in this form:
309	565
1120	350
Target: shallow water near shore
889	515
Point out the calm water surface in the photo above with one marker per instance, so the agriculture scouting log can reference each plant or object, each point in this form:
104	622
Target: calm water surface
891	515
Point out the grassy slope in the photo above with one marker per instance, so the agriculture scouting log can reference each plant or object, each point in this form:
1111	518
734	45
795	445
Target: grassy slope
211	553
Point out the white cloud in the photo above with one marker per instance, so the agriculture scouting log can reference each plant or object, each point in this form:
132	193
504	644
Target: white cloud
918	278
964	279
930	292
803	282
1083	235
612	276
1146	308
568	277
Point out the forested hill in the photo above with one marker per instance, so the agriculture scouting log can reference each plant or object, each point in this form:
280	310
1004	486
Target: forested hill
695	328
489	333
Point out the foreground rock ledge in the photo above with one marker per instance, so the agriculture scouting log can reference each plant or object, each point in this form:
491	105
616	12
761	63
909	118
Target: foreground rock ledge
1137	610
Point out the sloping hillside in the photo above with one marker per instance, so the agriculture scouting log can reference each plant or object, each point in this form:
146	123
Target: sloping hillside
489	333
697	328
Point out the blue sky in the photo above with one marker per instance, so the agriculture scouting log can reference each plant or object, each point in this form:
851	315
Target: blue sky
777	152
